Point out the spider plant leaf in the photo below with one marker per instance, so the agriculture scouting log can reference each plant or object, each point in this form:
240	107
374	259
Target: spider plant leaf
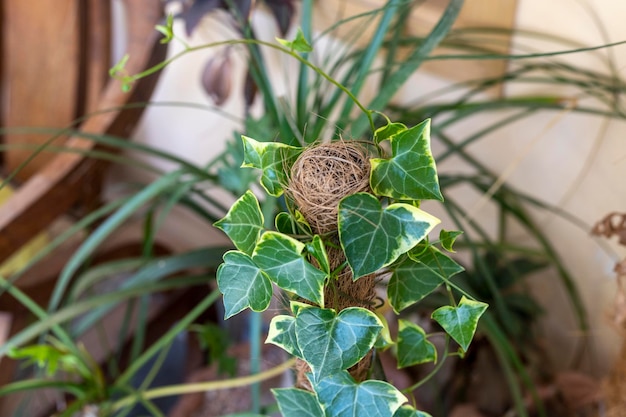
243	284
341	396
281	258
373	237
332	342
416	277
460	322
410	173
243	223
274	158
293	402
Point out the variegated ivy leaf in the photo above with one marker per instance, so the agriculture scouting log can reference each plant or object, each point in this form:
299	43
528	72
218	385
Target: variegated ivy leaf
383	341
317	249
341	396
292	225
388	131
331	342
243	284
282	333
280	257
294	402
373	237
243	223
460	322
447	239
410	173
408	411
413	346
274	158
419	275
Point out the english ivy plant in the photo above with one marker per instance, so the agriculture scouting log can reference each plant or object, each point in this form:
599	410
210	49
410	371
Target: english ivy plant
382	232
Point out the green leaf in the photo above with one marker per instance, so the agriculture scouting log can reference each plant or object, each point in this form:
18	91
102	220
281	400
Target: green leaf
292	225
280	257
341	396
410	174
294	402
317	249
285	223
408	411
417	277
413	346
373	237
447	239
167	30
388	131
460	322
243	284
331	342
383	341
274	158
282	333
243	223
299	44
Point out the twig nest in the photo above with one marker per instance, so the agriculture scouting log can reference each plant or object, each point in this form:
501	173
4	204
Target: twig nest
323	175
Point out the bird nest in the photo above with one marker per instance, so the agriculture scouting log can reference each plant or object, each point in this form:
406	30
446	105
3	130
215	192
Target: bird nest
322	176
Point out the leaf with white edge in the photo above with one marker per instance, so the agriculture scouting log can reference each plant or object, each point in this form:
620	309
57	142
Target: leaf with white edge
383	341
243	223
331	342
447	239
317	249
460	322
413	346
299	44
274	158
341	396
415	278
280	257
243	284
292	225
373	237
388	131
410	173
408	411
293	402
296	306
282	333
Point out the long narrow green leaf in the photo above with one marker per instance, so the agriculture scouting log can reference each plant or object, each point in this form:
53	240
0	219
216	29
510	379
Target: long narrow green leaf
76	309
102	232
416	58
206	258
369	54
167	337
37	384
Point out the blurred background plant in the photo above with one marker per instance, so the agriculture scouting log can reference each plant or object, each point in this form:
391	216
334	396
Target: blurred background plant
505	373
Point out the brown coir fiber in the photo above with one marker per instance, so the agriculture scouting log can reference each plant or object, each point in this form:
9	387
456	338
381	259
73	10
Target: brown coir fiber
323	175
319	179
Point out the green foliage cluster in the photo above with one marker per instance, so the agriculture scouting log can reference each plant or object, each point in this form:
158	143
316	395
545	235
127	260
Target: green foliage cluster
422	276
380	232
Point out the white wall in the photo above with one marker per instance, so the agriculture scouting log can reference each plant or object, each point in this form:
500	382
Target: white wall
563	158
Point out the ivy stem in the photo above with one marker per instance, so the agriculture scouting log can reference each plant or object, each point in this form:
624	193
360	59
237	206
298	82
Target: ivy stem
203	386
433	372
132	78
